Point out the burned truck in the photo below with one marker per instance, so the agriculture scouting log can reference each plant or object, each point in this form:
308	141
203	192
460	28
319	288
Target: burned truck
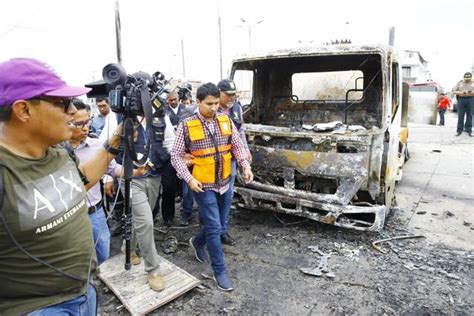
327	131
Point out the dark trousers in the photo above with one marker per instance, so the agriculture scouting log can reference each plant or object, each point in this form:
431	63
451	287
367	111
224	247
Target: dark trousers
465	105
441	116
169	182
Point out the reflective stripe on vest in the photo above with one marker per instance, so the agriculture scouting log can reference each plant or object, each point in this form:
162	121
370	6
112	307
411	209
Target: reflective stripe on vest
208	151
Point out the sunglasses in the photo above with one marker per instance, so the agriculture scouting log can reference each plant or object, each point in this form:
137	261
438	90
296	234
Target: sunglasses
64	103
82	124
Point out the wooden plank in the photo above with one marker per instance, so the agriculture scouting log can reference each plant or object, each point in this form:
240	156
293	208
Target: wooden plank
131	287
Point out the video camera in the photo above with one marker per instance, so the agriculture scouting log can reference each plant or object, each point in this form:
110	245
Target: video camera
130	94
184	92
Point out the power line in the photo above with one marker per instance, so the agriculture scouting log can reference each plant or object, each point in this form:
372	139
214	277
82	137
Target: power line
18	25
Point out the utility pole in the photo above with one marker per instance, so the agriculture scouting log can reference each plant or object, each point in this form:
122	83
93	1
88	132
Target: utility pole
182	58
220	38
391	36
118	37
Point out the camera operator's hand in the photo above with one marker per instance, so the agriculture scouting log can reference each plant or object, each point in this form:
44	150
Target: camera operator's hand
109	188
188	160
195	185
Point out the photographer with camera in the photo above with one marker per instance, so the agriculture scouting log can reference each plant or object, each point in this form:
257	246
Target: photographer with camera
145	192
131	96
46	243
212	139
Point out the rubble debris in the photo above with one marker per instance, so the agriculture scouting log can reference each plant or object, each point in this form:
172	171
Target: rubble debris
289	223
351	254
165	230
323	127
410	266
448	214
335	126
119	308
451	299
453	276
170	245
322	269
374	244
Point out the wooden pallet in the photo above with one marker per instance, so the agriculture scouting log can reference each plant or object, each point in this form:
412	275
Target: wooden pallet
131	287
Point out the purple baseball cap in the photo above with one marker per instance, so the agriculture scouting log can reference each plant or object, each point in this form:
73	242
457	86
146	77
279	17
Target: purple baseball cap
25	78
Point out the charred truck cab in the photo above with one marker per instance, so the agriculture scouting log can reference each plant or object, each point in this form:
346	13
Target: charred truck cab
327	131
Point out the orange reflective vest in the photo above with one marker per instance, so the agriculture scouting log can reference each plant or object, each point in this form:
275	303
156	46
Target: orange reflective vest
206	159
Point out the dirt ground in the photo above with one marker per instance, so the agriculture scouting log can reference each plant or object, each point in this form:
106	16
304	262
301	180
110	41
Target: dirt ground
414	277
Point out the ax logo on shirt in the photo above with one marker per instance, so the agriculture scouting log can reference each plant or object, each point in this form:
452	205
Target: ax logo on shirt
48	201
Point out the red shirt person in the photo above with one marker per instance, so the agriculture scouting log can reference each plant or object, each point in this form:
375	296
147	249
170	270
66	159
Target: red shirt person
444	103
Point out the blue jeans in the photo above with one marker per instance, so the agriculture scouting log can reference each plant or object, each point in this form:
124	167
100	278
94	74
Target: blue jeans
226	216
101	233
441	116
212	207
188	201
465	105
85	304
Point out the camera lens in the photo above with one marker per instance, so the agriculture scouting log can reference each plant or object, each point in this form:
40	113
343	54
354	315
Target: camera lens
114	74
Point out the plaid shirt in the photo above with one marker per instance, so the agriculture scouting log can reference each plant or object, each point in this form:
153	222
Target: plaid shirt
183	145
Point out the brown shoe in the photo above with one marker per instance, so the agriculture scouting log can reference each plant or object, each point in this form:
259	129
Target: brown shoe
156	281
135	259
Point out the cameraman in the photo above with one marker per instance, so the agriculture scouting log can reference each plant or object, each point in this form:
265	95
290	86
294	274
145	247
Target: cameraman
46	243
145	191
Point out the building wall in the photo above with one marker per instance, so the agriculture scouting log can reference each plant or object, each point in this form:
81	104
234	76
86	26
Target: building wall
414	67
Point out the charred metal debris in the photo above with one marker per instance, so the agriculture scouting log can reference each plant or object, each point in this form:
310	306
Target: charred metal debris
324	128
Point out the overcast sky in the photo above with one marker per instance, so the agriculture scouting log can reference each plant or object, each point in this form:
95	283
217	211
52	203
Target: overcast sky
77	37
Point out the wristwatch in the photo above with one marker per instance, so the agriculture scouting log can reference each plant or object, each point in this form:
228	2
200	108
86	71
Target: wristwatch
110	149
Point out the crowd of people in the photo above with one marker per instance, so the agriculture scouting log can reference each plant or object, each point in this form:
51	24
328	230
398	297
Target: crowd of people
60	166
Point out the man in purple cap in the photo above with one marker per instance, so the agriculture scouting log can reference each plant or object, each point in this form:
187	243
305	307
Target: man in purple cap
46	246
